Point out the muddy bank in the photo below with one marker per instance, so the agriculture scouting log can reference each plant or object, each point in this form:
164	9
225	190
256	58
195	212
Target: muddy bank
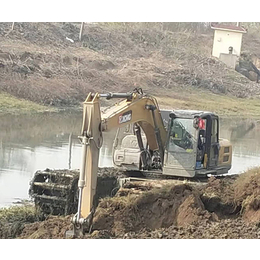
14	219
219	208
222	229
178	205
222	208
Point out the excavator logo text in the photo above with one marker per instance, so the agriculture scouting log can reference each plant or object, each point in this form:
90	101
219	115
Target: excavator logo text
127	116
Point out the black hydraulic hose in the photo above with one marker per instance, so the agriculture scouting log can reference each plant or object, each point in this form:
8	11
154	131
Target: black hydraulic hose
128	95
137	130
110	95
157	132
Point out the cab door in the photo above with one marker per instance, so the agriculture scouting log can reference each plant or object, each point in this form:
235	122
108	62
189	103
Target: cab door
212	141
180	152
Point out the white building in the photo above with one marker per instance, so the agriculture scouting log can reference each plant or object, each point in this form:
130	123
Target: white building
227	43
227	36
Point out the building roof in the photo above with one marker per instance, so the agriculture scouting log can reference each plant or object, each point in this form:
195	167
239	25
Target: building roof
191	113
224	27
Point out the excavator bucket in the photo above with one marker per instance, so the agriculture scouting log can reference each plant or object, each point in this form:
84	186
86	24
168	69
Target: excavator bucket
55	191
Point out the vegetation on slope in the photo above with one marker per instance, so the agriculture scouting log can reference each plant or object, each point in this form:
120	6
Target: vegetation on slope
10	104
40	64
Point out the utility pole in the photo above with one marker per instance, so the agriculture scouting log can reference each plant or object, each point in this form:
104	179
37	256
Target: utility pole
12	26
238	24
81	31
70	146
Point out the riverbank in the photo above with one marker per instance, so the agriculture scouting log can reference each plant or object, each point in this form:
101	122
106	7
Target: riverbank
12	105
222	105
39	64
221	208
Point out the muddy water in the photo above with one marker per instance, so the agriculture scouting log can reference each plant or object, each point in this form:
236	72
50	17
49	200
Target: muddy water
37	142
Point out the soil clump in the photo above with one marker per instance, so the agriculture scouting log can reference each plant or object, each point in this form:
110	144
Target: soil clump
53	227
247	194
222	229
178	205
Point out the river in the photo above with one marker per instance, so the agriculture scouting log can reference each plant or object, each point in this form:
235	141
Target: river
36	142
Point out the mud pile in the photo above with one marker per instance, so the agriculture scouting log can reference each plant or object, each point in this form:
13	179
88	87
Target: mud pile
218	196
53	227
178	205
247	194
226	207
222	229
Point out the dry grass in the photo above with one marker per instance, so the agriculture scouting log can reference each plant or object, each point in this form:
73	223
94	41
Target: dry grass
10	104
223	105
173	58
13	219
118	202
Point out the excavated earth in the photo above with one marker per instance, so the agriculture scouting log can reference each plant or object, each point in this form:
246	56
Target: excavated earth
227	207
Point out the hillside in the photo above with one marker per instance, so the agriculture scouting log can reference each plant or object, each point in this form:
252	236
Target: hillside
39	64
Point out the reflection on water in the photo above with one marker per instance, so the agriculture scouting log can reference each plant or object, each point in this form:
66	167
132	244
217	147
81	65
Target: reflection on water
30	143
245	138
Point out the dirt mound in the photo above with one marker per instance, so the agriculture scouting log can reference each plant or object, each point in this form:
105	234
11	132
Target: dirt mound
247	193
218	196
221	208
53	227
178	205
223	229
247	184
235	195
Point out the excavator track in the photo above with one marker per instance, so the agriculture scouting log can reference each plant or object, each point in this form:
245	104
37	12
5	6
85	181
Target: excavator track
56	191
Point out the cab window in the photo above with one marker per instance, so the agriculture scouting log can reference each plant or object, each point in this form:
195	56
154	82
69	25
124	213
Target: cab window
182	134
214	131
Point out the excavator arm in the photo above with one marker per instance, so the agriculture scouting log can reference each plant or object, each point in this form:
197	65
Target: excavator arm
135	108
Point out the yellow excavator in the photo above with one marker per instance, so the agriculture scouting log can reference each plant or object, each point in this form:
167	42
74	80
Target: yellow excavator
178	143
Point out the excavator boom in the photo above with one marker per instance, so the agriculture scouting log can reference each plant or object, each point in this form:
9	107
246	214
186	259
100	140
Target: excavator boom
135	108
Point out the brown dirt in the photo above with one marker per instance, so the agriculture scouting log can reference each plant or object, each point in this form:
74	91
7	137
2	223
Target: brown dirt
247	193
14	219
218	196
223	229
53	227
174	205
221	208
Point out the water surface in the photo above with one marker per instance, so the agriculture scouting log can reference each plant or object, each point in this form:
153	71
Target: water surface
37	142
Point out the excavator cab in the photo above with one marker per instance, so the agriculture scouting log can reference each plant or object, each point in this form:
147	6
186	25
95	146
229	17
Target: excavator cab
193	147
